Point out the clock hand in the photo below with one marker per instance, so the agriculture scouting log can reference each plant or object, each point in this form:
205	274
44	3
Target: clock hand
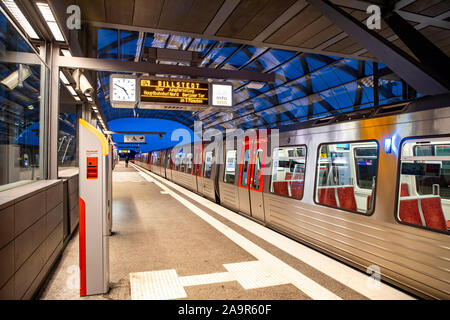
123	89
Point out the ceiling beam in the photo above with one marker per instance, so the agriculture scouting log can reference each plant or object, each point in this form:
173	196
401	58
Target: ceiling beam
221	16
287	15
153	68
105	25
399	62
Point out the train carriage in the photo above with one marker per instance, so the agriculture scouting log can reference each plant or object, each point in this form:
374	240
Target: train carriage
369	192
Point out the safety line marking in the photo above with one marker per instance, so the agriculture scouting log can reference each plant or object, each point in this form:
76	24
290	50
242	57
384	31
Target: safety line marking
352	278
299	280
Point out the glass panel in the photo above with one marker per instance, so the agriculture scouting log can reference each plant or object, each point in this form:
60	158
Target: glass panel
245	168
366	163
188	161
288	171
23	101
208	164
424	195
230	167
346	176
67	137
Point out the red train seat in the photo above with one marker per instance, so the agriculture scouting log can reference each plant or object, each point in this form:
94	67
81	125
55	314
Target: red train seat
288	176
297	189
432	213
409	211
327	196
404	190
346	196
281	187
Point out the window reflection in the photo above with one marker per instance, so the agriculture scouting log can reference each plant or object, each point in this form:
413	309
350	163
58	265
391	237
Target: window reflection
22	94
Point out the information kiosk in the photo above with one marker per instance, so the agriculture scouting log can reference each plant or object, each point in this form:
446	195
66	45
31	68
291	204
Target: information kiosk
94	210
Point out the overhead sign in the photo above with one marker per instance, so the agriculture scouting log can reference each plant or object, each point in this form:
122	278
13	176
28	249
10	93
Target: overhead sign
164	91
222	95
134	139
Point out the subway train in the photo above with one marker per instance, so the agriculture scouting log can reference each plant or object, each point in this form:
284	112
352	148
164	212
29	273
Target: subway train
370	188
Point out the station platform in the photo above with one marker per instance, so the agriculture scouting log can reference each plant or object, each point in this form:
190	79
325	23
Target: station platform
169	243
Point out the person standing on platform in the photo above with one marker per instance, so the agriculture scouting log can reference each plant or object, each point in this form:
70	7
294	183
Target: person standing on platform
126	161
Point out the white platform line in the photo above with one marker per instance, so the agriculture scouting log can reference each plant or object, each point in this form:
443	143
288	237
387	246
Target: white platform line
302	282
354	279
204	279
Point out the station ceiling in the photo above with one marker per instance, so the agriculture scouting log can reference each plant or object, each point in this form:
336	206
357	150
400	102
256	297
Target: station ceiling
319	69
288	24
307	86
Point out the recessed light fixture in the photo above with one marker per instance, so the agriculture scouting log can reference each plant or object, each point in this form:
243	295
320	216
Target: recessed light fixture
89	99
63	78
77	98
30	107
51	21
18	15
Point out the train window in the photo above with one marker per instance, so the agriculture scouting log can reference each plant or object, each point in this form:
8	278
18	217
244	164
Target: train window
188	161
366	163
230	167
257	169
245	168
198	163
208	164
346	176
288	171
424	188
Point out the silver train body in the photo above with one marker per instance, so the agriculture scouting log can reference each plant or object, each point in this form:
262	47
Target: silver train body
413	258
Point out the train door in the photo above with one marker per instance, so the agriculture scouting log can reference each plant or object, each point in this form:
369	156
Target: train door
163	164
198	166
169	164
150	160
256	184
244	178
251	178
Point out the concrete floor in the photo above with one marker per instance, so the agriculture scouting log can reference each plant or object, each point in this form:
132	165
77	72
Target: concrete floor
153	231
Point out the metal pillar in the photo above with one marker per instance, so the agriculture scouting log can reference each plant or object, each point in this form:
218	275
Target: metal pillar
52	54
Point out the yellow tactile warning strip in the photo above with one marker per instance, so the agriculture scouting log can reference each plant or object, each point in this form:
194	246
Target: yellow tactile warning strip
165	284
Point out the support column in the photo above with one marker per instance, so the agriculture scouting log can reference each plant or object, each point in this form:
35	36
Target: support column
53	125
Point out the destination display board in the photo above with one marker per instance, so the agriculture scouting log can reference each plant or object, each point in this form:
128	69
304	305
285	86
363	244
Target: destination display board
174	92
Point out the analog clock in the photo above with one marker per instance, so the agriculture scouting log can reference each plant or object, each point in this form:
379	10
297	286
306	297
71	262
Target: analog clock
123	91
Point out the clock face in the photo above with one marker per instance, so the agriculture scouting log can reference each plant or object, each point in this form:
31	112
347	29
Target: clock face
124	89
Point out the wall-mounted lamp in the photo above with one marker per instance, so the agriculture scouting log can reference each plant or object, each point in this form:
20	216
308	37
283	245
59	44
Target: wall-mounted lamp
17	78
82	82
